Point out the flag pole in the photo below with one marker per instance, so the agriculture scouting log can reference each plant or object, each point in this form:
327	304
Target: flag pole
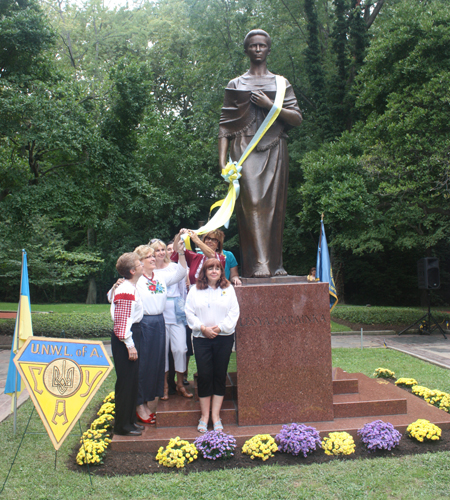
16	347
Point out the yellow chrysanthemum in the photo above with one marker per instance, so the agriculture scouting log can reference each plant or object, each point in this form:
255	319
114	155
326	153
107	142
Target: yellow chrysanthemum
260	446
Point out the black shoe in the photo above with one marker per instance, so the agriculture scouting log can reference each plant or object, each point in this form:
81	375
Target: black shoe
185	381
139	426
135	432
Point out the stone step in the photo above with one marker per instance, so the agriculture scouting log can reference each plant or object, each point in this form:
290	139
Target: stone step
180	411
375	397
360	408
349	386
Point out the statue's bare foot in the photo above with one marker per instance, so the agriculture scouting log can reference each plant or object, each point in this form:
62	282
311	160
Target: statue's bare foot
280	272
262	273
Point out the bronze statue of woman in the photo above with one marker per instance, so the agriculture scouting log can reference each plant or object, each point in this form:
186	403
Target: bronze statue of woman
261	206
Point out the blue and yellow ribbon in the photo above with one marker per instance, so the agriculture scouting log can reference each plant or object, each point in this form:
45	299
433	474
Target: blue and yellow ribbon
232	171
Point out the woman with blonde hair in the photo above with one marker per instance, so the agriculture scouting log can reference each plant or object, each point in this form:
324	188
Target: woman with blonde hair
174	318
153	291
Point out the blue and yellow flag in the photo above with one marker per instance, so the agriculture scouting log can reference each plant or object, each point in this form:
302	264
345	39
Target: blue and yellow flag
324	272
22	330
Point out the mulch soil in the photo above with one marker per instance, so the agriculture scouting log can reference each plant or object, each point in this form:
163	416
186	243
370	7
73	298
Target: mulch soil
133	463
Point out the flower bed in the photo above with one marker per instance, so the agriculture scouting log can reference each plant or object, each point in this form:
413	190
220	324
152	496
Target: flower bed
424	430
338	443
261	446
407	382
95	441
216	445
383	373
298	438
379	435
178	453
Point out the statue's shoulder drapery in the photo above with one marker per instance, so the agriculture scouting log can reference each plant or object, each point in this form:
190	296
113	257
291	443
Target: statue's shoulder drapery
241	117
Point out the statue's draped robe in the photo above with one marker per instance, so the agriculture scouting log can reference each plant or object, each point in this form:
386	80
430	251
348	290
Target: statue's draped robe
261	206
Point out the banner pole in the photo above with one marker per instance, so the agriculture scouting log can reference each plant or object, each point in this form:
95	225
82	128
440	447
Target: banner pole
16	348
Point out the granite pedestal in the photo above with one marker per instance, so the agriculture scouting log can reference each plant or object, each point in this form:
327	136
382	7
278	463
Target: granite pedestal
283	352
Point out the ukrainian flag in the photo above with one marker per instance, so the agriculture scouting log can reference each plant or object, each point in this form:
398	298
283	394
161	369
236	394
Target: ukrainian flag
324	272
22	330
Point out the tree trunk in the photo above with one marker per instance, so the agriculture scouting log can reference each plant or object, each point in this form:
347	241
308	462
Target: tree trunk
92	292
92	289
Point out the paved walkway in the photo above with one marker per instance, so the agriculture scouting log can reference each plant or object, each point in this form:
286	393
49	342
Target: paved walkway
432	348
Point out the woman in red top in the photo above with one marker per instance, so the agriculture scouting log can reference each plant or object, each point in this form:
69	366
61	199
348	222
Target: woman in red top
195	260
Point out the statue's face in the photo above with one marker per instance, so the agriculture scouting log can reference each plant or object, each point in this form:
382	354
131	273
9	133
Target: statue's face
258	50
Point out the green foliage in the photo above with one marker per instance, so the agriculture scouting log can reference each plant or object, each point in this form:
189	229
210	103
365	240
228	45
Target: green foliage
383	315
50	266
24	37
66	325
384	186
109	129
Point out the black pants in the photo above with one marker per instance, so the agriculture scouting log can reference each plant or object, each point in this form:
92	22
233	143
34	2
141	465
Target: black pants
212	357
127	382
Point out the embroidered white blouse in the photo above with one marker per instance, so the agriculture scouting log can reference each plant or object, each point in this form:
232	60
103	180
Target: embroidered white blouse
153	290
210	307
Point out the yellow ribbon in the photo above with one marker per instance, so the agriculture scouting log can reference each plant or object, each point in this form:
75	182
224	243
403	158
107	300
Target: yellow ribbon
231	172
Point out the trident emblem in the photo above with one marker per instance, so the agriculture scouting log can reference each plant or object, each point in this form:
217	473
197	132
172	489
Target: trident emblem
63	381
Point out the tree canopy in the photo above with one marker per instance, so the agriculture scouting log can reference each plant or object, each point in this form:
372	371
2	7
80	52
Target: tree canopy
109	130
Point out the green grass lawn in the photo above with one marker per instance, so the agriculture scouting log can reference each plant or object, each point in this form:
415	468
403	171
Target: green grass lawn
336	327
422	476
60	308
94	308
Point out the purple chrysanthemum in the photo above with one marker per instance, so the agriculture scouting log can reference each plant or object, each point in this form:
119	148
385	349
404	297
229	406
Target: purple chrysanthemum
379	435
298	438
216	444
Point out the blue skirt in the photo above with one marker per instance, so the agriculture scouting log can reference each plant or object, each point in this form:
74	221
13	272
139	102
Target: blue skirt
151	358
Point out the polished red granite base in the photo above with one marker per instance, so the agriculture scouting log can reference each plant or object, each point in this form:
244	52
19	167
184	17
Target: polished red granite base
374	395
283	353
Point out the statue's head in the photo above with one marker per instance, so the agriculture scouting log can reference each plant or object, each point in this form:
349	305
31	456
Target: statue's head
253	33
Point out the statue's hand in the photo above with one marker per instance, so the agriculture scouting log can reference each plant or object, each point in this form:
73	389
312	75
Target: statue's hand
260	99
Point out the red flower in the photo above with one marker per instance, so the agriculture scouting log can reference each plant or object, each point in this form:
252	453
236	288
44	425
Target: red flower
152	288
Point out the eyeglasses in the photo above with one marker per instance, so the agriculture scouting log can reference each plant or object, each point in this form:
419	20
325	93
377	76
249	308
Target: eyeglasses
154	240
214	240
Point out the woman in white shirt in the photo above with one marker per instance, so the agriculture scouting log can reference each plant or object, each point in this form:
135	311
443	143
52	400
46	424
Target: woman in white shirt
174	319
126	312
212	311
152	288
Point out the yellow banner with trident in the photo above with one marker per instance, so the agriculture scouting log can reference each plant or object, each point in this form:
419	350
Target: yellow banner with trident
232	172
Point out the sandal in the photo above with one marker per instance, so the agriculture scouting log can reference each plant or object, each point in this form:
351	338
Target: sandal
183	392
202	426
152	418
218	426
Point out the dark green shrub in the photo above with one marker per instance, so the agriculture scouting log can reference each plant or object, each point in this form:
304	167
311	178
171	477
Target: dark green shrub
79	326
377	315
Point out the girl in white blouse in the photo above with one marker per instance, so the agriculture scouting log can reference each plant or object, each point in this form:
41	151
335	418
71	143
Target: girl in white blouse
212	311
